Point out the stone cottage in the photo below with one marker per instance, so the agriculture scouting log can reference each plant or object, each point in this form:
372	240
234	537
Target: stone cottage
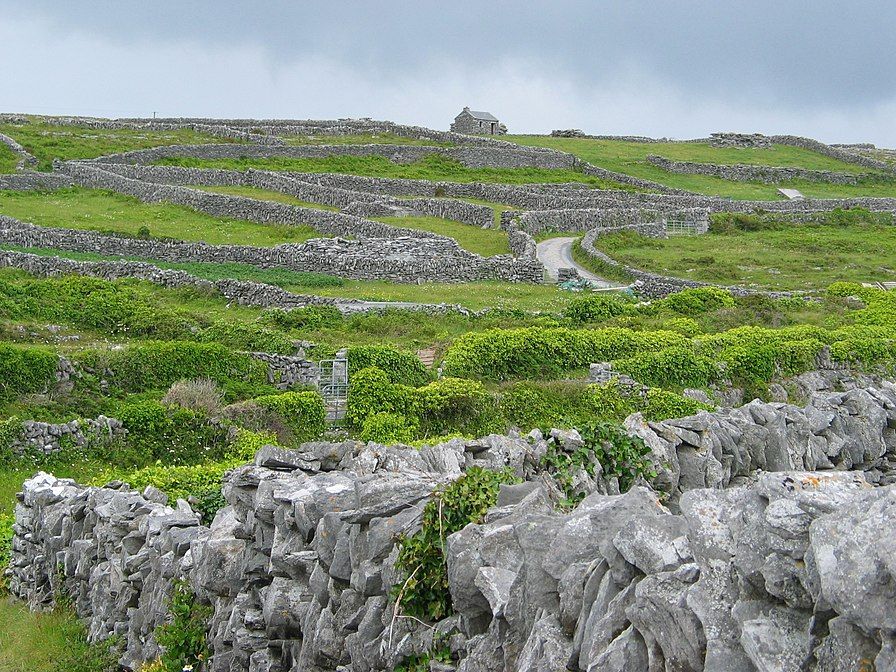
472	122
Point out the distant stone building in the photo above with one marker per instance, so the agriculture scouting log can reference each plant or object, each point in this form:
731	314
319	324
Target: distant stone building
472	122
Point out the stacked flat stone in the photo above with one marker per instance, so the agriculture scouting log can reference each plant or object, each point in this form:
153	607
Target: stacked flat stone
46	438
782	567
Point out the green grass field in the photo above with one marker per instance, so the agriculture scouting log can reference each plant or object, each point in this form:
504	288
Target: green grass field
486	242
631	158
431	167
473	295
96	210
49	141
792	257
8	160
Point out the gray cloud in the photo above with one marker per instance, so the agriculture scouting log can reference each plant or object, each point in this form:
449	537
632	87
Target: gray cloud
673	68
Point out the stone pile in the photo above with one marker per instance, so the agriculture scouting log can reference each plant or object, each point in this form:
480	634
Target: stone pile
780	570
287	371
45	438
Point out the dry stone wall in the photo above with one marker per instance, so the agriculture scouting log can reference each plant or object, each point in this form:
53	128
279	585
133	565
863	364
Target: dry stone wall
239	207
408	260
752	173
240	291
26	159
537	221
761	545
34	181
45	438
509	156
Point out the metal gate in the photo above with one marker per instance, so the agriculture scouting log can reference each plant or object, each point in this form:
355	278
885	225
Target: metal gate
334	387
686	225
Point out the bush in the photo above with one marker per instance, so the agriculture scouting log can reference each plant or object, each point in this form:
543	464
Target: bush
595	308
175	435
303	413
698	300
502	354
671	367
25	370
108	307
247	337
199	484
200	394
400	367
371	391
157	365
182	637
388	429
456	405
421	558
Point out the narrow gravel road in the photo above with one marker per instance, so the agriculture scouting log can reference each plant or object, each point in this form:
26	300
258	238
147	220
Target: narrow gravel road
556	253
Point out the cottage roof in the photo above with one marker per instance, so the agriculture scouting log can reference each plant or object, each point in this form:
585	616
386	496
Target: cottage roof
482	116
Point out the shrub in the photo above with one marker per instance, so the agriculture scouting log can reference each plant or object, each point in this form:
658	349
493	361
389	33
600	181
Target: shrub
455	404
182	637
595	308
25	370
307	317
698	300
421	558
251	337
199	484
199	394
157	365
303	413
670	367
502	354
528	406
174	435
400	367
388	428
371	391
620	455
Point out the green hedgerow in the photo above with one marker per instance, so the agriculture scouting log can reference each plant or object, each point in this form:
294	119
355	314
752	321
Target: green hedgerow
424	591
175	435
24	370
596	308
303	413
400	367
388	429
157	364
456	404
247	337
371	391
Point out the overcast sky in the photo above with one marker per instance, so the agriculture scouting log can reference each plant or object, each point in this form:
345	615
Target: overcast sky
674	68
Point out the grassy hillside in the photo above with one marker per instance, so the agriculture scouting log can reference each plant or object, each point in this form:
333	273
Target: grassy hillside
49	141
431	167
8	160
96	210
631	158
